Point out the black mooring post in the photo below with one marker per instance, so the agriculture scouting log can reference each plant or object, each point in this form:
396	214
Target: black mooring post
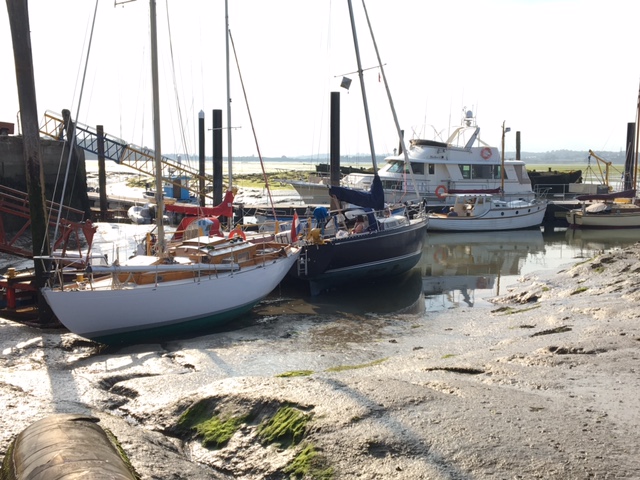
334	153
629	170
201	158
217	157
102	175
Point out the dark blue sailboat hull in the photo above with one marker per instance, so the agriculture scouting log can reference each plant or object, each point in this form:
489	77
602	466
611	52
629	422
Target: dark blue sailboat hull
363	257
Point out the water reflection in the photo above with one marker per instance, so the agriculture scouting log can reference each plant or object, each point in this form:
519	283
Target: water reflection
401	294
457	270
603	239
456	266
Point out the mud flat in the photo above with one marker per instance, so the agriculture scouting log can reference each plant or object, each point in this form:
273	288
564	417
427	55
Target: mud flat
543	383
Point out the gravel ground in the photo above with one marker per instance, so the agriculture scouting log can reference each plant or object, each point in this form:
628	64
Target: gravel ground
543	383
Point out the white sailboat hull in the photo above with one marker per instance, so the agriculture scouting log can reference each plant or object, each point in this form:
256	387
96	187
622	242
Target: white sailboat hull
581	219
111	313
486	223
493	216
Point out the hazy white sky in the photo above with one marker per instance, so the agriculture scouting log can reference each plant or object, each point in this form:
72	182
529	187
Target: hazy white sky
564	73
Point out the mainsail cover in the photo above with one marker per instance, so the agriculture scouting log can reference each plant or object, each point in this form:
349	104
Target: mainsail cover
608	196
374	198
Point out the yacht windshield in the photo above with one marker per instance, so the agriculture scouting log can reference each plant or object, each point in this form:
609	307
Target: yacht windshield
397	166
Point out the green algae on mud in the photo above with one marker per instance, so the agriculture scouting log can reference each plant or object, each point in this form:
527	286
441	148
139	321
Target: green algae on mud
354	367
512	310
214	430
309	464
295	373
287	427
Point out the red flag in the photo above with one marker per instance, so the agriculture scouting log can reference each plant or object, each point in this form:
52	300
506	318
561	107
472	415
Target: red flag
294	227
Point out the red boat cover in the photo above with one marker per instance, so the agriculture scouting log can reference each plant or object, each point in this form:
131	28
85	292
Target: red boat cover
492	191
225	209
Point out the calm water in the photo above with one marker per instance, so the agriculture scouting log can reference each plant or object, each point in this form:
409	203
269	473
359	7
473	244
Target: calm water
461	270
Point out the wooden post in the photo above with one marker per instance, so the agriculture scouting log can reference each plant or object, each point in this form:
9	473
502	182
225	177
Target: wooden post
75	195
32	152
102	175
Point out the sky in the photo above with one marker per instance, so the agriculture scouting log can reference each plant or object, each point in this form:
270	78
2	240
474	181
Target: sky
563	73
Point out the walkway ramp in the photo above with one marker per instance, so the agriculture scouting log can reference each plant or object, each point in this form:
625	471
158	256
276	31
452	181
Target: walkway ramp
139	158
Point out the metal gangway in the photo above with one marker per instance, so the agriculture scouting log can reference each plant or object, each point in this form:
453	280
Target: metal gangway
139	158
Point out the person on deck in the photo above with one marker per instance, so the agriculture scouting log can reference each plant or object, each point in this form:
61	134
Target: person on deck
359	225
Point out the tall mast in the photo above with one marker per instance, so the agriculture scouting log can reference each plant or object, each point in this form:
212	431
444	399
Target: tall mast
156	127
393	110
229	149
364	93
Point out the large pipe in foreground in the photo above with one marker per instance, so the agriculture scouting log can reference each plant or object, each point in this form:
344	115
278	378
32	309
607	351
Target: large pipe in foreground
65	446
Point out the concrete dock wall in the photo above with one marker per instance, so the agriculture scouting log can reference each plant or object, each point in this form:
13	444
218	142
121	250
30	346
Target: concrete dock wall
54	163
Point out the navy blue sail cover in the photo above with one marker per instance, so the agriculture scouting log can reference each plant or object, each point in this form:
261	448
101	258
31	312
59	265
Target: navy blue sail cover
372	199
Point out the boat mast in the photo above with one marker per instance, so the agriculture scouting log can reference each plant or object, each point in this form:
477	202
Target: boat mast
504	130
364	93
635	142
229	149
393	109
156	127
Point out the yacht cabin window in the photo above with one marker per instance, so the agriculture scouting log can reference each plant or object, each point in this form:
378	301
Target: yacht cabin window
418	168
480	171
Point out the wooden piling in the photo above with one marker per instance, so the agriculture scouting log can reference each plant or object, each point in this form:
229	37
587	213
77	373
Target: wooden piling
21	39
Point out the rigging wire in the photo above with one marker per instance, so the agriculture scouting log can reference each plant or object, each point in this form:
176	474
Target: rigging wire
183	138
71	139
246	101
393	110
58	173
319	123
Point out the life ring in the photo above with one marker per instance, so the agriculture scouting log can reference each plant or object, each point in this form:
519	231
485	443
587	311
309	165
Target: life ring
486	153
441	191
237	231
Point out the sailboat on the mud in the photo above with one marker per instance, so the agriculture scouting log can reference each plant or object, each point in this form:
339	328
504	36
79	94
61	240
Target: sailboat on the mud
388	244
200	283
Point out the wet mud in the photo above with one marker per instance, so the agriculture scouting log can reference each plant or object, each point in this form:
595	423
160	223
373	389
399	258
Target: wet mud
542	383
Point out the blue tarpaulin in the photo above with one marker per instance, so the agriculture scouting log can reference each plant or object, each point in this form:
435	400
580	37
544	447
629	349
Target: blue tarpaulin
372	199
